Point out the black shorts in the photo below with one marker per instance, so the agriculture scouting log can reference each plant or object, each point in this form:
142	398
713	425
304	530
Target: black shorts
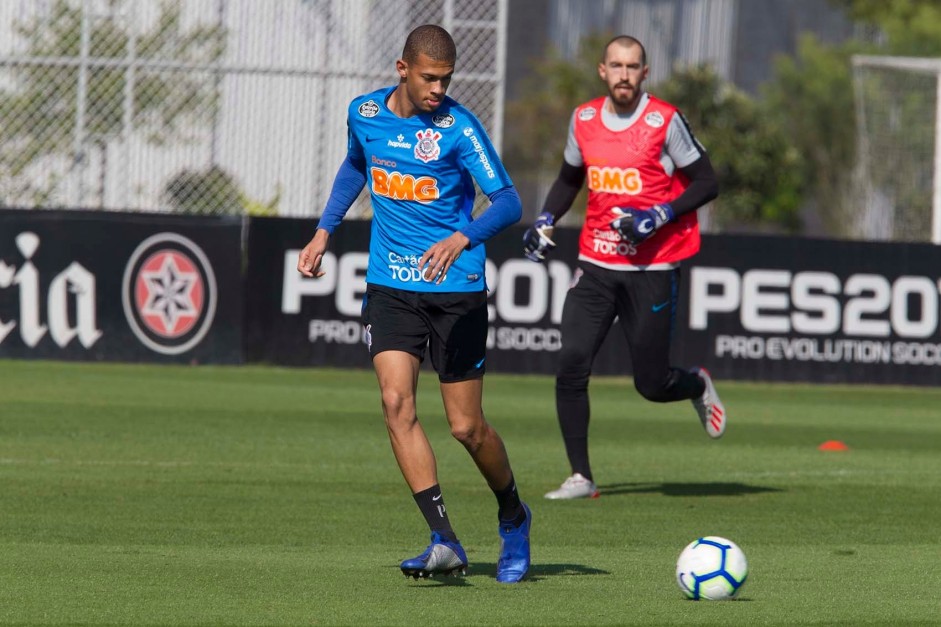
644	303
453	325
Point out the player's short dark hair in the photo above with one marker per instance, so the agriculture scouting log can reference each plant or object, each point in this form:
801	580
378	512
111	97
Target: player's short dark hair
627	41
432	41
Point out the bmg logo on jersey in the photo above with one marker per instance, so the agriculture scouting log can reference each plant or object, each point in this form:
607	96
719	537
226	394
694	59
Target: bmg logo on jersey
615	180
398	186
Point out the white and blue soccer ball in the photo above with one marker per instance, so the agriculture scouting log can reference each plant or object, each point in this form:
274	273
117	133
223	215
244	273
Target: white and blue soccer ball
711	568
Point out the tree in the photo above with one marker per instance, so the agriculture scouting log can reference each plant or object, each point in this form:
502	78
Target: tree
214	191
911	27
533	150
209	192
811	95
757	166
40	111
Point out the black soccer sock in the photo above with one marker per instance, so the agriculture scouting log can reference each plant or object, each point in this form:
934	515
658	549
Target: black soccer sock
573	408
508	501
686	384
431	504
698	387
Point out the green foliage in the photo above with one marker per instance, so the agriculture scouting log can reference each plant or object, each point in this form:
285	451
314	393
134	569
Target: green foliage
792	149
209	192
538	122
757	166
40	109
254	207
811	98
912	27
555	88
214	191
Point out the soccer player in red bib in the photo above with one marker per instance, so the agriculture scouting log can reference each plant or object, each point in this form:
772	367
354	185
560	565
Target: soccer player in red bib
647	175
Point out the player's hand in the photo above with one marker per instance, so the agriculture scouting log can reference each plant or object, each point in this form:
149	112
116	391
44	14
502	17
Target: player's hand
636	225
308	262
437	260
537	240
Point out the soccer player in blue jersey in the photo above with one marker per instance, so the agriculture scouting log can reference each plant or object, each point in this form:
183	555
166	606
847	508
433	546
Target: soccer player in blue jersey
420	152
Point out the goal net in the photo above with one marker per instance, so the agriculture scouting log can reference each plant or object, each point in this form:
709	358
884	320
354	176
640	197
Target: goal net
898	164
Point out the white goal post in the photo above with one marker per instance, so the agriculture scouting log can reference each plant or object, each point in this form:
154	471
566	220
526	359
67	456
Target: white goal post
898	163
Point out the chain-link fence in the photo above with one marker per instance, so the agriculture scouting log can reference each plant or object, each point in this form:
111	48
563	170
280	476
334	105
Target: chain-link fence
210	106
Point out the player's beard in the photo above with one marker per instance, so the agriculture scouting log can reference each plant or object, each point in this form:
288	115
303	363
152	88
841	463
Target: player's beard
621	97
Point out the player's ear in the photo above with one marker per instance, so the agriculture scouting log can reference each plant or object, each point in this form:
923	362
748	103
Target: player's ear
402	68
601	71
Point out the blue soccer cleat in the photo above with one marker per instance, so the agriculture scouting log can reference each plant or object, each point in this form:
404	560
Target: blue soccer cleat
442	557
514	550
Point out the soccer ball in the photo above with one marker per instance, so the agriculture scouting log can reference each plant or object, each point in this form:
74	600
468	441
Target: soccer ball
711	568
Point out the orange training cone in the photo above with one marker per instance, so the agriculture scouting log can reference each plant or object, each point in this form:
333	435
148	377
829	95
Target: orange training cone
833	445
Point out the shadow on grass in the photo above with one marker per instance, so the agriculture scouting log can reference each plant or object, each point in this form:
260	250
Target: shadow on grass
685	489
537	571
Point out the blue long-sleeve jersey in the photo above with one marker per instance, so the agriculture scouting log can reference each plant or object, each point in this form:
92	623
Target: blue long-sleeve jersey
421	172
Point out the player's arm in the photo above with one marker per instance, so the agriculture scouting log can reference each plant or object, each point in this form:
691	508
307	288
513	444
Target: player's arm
564	190
479	158
505	209
703	186
484	164
537	240
349	182
638	223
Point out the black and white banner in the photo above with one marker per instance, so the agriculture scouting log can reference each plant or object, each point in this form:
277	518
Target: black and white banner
295	320
120	287
132	287
763	308
775	308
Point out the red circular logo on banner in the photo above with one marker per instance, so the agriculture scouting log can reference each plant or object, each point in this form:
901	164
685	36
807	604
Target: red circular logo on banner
169	293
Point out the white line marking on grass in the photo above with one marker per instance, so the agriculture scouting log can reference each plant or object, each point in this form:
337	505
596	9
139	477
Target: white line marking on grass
7	461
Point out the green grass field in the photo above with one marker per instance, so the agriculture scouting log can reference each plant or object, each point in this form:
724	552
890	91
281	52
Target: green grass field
143	495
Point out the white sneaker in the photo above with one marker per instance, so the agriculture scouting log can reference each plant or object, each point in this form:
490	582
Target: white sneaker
575	487
710	409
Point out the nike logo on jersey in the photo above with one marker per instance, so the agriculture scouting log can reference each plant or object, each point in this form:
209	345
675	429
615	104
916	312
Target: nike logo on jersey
656	308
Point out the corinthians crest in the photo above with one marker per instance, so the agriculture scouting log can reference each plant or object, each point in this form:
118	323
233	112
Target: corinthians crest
427	148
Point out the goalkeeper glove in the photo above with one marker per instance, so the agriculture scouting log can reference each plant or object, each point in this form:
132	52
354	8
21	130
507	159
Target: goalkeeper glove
636	225
536	240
